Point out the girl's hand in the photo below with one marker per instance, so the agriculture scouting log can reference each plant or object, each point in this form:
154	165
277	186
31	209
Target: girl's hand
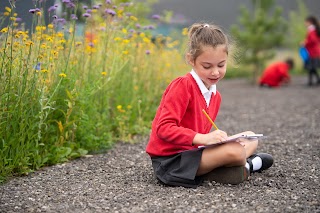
216	137
210	138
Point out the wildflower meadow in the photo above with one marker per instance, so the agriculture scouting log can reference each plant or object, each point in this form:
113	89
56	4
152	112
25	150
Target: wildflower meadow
79	82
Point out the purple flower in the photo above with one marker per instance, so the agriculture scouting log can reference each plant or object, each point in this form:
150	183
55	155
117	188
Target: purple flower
114	7
87	15
156	16
65	1
71	5
128	14
151	27
100	5
55	16
131	30
95	7
38	66
89	11
85	7
18	19
138	26
108	1
148	52
91	44
74	17
37	10
56	5
32	11
51	9
111	12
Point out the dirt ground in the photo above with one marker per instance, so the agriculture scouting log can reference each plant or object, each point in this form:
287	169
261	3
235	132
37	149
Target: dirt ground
122	180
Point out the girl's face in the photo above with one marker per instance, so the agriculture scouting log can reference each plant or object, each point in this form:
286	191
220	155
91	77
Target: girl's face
307	23
211	65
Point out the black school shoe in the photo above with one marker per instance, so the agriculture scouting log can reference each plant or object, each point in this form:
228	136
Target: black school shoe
267	161
228	175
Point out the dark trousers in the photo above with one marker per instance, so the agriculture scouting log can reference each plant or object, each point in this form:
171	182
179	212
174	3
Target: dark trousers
313	72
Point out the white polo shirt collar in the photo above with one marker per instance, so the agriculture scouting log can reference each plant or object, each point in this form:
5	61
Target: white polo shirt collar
204	90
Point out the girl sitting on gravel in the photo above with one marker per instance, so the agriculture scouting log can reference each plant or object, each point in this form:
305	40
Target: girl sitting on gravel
180	129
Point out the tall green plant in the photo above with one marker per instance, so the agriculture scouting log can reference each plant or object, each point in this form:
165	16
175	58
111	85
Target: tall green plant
259	32
297	29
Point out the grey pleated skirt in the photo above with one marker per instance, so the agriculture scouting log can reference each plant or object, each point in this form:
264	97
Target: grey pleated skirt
179	169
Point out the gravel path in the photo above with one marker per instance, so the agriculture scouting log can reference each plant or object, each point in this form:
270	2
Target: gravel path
121	180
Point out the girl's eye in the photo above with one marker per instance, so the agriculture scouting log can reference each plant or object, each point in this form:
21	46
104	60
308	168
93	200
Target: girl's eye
206	67
220	66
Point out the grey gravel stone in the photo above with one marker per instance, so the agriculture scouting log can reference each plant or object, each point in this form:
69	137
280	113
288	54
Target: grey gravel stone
122	180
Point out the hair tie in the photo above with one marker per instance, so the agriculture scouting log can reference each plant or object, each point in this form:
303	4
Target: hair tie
206	25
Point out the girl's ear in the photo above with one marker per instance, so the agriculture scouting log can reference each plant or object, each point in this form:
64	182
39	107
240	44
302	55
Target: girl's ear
189	59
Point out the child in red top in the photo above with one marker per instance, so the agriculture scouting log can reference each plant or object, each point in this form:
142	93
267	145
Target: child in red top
179	128
312	44
277	74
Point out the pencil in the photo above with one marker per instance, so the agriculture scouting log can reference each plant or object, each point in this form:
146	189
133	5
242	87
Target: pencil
205	113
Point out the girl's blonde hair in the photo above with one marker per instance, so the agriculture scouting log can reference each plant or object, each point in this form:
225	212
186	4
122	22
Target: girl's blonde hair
201	35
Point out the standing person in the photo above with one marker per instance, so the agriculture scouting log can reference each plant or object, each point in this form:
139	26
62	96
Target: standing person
312	44
179	128
277	74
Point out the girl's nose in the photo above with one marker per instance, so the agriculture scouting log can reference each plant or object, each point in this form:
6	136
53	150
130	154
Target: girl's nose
215	71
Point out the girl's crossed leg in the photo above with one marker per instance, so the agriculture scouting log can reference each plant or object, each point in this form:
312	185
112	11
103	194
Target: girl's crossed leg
228	155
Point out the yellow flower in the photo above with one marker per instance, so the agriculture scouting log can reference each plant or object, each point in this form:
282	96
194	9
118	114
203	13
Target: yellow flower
125	41
133	18
78	43
59	34
29	43
15	24
185	31
94	10
146	40
136	88
44	70
6	13
124	30
125	52
16	44
62	75
62	41
117	39
104	73
13	18
38	13
142	35
119	107
50	39
129	107
15	14
43	46
8	9
50	26
4	30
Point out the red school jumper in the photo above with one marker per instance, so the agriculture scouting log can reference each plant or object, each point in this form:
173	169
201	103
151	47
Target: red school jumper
312	43
179	117
275	74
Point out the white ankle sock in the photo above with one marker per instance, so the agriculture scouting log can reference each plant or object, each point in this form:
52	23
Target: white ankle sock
256	162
